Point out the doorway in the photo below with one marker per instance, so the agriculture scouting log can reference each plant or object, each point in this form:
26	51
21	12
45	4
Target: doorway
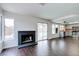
42	31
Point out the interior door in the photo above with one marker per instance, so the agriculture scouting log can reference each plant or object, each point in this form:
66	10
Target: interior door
42	31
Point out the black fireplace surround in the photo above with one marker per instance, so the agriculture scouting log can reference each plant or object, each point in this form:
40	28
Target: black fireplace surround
26	38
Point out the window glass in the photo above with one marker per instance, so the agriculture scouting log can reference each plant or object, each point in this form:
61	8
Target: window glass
9	29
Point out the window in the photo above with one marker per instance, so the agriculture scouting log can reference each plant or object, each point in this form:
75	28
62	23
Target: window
54	28
9	29
62	28
42	31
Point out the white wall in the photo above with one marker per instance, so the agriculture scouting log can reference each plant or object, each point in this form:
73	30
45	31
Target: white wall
1	42
1	11
22	22
50	35
26	23
0	36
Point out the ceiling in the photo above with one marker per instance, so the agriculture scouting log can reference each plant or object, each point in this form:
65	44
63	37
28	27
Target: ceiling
56	12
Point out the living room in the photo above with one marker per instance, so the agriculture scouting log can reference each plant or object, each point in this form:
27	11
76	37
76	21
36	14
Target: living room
39	29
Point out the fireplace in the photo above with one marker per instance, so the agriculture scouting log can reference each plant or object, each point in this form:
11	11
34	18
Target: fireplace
26	38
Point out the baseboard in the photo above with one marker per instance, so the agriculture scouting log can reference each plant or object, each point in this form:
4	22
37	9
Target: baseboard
60	37
41	40
55	38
